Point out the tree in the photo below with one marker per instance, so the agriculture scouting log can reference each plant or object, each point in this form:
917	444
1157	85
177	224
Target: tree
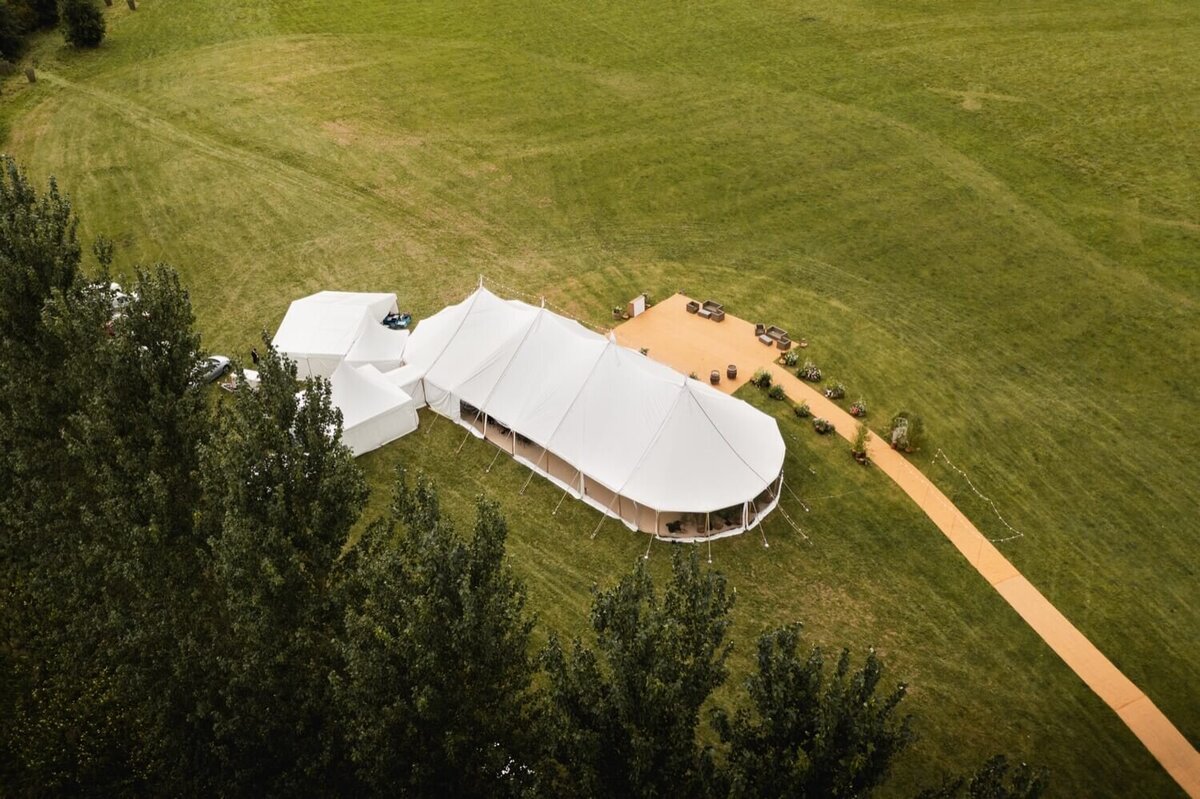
83	23
42	13
993	781
280	496
808	736
12	34
626	714
435	692
42	543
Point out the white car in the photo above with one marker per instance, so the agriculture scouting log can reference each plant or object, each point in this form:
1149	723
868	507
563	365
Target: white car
211	368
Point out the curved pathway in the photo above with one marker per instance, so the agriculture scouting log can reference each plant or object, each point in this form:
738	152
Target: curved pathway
691	344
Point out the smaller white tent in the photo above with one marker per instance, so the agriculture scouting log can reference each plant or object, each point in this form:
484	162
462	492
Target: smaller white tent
318	331
374	410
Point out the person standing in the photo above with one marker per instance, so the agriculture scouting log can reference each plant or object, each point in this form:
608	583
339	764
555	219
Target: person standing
254	356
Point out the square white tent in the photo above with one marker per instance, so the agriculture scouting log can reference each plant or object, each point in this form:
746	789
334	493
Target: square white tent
374	411
320	330
629	436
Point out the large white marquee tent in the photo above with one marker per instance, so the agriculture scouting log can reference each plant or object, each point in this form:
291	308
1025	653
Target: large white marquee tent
321	330
635	439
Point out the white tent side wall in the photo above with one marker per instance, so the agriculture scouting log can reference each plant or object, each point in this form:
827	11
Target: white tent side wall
381	429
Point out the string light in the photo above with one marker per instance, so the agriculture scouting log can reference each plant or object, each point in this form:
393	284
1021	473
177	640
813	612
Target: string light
1015	532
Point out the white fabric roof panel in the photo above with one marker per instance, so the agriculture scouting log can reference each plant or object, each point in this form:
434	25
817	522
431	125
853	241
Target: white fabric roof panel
319	331
627	422
374	410
378	345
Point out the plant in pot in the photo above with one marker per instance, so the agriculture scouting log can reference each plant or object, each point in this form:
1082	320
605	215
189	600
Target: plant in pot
835	391
810	372
859	408
858	447
790	358
822	426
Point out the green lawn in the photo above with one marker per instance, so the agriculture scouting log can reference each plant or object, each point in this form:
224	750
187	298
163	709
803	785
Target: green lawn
1017	263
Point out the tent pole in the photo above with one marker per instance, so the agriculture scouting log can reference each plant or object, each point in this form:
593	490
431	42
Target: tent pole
656	521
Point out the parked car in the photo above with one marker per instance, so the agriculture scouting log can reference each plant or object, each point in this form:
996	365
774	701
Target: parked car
211	368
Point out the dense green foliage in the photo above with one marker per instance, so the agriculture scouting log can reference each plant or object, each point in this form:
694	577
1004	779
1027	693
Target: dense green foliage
19	18
179	617
83	23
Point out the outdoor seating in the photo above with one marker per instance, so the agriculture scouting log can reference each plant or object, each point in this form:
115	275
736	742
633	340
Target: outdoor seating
776	332
718	315
693	307
765	339
784	343
760	329
704	313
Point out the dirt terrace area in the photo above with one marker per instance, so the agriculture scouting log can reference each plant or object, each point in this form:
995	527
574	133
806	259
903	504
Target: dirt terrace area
690	343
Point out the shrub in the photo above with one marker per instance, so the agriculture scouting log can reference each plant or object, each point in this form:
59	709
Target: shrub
836	391
762	379
791	358
802	410
693	375
810	372
907	431
859	408
83	24
777	393
823	426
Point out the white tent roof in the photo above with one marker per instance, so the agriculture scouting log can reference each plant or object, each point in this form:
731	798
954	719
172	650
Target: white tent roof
362	393
319	330
374	410
378	345
629	423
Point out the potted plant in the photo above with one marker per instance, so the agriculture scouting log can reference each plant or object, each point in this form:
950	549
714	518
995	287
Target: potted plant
859	408
810	372
822	426
835	391
858	447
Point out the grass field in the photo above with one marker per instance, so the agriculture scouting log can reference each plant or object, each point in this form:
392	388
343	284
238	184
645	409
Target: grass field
987	213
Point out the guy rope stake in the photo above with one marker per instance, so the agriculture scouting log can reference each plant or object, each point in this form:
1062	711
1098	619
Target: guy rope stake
493	463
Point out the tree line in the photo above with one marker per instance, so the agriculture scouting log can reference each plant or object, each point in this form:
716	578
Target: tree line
180	614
